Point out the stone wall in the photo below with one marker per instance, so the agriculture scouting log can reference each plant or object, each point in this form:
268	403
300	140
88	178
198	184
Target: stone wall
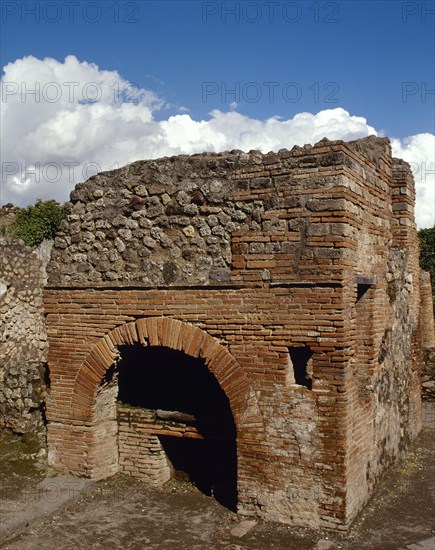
427	312
212	219
23	338
428	378
294	275
7	216
428	337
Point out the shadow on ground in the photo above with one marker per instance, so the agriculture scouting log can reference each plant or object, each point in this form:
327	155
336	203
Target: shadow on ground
121	513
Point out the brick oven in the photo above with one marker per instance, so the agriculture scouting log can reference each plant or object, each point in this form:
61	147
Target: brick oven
250	321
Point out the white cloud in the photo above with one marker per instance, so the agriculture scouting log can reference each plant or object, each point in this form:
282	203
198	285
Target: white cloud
419	151
57	136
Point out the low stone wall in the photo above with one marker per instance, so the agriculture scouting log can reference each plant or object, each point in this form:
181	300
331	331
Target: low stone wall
141	454
23	338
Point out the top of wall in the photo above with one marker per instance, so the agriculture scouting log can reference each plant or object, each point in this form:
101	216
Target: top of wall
7	215
219	219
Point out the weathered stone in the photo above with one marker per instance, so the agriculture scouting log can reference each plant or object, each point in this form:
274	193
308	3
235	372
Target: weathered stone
170	272
23	338
126	234
189	231
242	528
219	275
120	246
149	242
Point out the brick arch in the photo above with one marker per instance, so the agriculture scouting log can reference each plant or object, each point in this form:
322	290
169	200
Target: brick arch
176	335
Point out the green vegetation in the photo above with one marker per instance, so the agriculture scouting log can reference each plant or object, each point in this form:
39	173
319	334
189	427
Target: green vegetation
427	253
36	223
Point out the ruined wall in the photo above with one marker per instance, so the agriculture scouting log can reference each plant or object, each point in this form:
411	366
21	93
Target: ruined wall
428	337
260	256
209	219
8	213
23	338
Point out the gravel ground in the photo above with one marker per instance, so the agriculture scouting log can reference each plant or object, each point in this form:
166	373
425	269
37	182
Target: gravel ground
120	513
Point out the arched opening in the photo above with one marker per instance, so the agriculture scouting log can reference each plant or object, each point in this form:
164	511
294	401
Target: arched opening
175	420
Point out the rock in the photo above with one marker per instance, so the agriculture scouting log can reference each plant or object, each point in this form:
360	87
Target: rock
324	544
149	242
141	191
170	272
120	246
126	234
175	416
219	275
189	231
242	528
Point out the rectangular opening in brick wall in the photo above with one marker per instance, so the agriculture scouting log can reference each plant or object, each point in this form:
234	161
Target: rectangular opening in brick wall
361	291
175	421
300	357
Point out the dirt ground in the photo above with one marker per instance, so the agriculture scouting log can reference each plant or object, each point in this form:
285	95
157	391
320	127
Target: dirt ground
121	513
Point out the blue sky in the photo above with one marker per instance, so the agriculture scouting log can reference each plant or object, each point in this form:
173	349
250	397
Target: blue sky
352	54
372	60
